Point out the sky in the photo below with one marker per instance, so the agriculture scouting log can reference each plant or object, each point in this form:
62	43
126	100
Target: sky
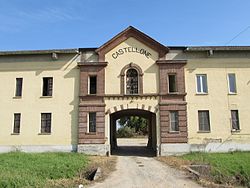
63	24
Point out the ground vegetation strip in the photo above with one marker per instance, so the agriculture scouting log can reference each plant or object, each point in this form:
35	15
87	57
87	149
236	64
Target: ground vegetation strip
39	169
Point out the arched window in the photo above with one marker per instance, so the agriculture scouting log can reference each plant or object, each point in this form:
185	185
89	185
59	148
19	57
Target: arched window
132	81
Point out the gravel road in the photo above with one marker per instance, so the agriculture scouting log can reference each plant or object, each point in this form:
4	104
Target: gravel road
144	172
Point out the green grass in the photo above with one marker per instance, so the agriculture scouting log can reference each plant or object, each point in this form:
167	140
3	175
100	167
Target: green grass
228	168
35	169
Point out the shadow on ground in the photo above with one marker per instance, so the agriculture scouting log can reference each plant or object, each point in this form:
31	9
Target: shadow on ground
141	151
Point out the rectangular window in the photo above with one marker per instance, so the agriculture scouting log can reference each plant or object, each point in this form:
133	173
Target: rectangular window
45	122
174	121
172	86
92	84
232	83
201	83
47	86
92	122
204	122
17	120
235	120
19	85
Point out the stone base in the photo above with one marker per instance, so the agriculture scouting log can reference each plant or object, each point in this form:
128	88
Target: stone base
38	148
179	149
94	149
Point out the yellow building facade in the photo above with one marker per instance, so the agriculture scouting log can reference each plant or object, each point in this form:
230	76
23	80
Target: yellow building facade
194	98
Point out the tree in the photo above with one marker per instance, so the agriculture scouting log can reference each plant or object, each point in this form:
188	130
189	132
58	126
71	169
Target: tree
139	124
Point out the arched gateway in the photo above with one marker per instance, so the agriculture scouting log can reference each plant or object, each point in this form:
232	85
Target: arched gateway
151	121
131	77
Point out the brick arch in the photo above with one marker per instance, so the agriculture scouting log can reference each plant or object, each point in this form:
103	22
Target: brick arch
129	106
140	74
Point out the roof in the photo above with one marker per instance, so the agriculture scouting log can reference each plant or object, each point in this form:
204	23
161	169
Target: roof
35	52
135	33
218	48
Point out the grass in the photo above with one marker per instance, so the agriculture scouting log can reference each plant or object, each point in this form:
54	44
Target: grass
39	169
230	168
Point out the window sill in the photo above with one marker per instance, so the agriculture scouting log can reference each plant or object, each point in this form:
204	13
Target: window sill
201	94
17	97
203	131
90	133
136	94
174	93
15	134
235	131
44	97
232	93
174	132
44	133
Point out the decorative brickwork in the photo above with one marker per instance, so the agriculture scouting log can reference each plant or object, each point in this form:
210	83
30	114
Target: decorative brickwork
91	103
172	101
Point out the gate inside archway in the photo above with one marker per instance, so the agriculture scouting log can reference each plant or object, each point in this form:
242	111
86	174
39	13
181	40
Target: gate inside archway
133	148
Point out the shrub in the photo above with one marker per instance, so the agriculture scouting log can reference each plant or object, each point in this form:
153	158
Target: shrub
125	132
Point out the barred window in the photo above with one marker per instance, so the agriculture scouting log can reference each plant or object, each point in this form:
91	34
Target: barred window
17	120
47	86
92	122
46	123
132	81
19	85
174	121
204	122
235	120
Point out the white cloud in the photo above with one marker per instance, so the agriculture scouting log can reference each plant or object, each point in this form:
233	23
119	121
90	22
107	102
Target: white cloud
16	20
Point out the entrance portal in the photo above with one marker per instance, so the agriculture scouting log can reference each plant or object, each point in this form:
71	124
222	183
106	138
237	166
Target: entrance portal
133	146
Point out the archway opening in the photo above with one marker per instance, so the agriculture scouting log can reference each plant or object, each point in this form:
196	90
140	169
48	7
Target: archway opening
133	133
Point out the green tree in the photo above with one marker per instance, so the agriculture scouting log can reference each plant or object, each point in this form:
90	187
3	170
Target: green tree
139	124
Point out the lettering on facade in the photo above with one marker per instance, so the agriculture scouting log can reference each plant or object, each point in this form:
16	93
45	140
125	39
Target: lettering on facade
122	51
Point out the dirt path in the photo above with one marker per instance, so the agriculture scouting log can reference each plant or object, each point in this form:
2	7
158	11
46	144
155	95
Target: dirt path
134	170
145	172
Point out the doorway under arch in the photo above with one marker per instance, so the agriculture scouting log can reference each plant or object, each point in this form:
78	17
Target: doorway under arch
149	149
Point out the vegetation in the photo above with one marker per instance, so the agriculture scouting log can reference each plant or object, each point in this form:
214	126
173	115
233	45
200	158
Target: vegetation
132	126
39	169
125	132
226	168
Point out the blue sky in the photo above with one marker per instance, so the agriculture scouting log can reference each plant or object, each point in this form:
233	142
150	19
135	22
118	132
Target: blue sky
51	24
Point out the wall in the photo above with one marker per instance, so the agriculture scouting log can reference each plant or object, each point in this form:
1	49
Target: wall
148	66
63	104
218	100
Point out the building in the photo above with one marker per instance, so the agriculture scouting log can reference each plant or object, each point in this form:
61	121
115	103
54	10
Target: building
195	98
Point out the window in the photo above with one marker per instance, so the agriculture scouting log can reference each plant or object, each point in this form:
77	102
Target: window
132	81
19	85
47	86
235	120
172	83
232	83
46	123
92	84
92	122
204	122
201	83
17	119
174	123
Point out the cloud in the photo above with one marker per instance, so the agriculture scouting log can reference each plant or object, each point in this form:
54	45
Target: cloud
49	15
16	20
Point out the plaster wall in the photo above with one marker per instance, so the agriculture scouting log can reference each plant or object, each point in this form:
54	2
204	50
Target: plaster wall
218	100
63	104
148	66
